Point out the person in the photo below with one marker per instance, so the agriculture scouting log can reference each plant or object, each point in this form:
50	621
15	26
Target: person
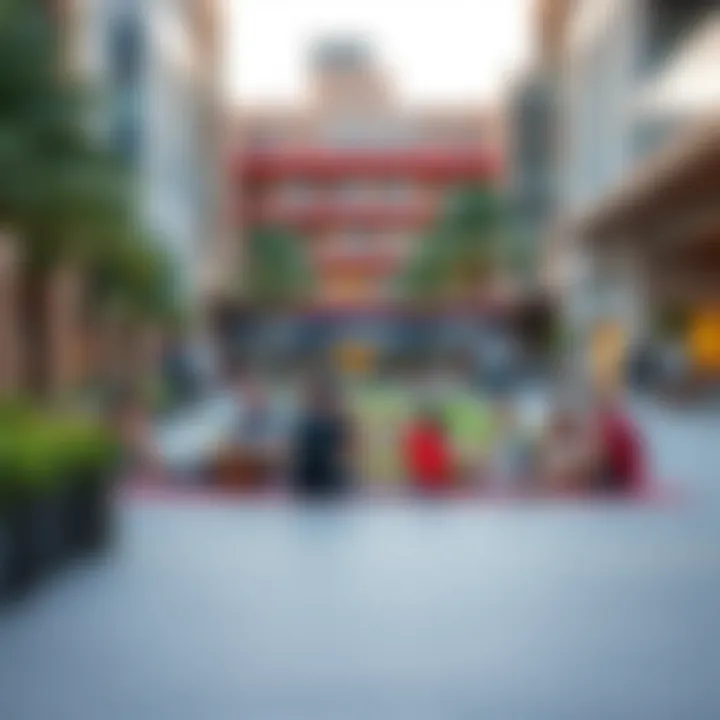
178	372
470	427
257	426
321	445
253	455
427	454
621	452
497	361
512	453
568	454
130	421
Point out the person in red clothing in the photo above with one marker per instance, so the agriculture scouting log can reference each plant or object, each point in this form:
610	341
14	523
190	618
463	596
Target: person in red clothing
428	458
621	449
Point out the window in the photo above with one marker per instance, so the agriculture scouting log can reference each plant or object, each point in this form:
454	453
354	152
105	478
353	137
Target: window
397	193
355	192
297	194
126	61
126	49
126	131
357	241
359	133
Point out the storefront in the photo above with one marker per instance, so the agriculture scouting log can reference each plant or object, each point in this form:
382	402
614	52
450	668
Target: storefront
658	241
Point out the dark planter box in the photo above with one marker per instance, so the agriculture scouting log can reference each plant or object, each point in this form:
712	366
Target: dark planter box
38	533
52	529
22	552
4	555
90	517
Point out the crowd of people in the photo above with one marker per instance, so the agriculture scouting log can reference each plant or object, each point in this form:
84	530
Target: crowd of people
574	449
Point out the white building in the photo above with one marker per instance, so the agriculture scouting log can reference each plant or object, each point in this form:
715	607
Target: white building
639	77
157	64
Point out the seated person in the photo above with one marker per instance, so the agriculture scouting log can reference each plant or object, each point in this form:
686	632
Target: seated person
322	444
427	454
470	425
621	452
256	448
567	460
512	453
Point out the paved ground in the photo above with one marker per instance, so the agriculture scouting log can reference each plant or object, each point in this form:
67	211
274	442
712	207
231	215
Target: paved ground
261	612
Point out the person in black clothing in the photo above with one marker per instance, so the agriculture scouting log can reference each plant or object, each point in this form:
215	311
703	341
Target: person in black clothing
321	446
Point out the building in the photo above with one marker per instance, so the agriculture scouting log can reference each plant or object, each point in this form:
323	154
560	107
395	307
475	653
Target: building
158	65
534	139
640	170
356	175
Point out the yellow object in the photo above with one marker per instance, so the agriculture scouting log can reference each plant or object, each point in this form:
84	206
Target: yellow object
607	354
704	340
355	358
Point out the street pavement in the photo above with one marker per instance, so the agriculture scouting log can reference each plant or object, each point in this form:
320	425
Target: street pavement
217	611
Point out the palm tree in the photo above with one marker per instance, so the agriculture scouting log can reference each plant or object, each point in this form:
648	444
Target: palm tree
136	275
456	255
58	173
63	196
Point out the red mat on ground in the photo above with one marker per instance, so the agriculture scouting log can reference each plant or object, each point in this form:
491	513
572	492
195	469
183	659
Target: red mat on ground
653	493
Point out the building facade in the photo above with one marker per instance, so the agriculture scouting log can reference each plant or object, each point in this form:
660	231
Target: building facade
356	176
158	66
641	118
534	140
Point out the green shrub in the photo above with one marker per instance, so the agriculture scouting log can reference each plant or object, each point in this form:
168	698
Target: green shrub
41	453
87	452
14	411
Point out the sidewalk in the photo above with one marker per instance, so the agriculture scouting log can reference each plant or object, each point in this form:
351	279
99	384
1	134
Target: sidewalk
684	444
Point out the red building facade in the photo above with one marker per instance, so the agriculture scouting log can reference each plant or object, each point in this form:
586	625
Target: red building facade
356	177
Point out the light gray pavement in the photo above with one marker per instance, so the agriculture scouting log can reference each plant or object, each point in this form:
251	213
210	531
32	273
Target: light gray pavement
685	446
217	612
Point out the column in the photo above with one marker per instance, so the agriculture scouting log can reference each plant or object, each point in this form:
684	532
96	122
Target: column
10	329
65	330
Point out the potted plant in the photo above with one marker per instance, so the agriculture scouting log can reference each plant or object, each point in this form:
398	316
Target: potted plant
6	548
41	486
55	484
90	457
25	476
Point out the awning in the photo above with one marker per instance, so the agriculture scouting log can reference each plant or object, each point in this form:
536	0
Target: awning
682	182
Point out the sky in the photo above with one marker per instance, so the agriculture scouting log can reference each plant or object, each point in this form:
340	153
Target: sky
437	51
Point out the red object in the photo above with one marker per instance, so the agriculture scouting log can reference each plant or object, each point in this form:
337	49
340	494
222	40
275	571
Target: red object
470	164
428	457
624	451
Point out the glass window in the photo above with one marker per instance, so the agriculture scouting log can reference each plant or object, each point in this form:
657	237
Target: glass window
397	193
355	191
126	49
297	194
357	241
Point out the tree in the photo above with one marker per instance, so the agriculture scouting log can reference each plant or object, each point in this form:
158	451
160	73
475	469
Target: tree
461	250
137	276
57	171
64	195
278	270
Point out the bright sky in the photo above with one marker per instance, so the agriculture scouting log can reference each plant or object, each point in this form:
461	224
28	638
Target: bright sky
438	51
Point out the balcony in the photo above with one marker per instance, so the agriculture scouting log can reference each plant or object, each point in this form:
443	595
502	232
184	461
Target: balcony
371	261
372	216
324	165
